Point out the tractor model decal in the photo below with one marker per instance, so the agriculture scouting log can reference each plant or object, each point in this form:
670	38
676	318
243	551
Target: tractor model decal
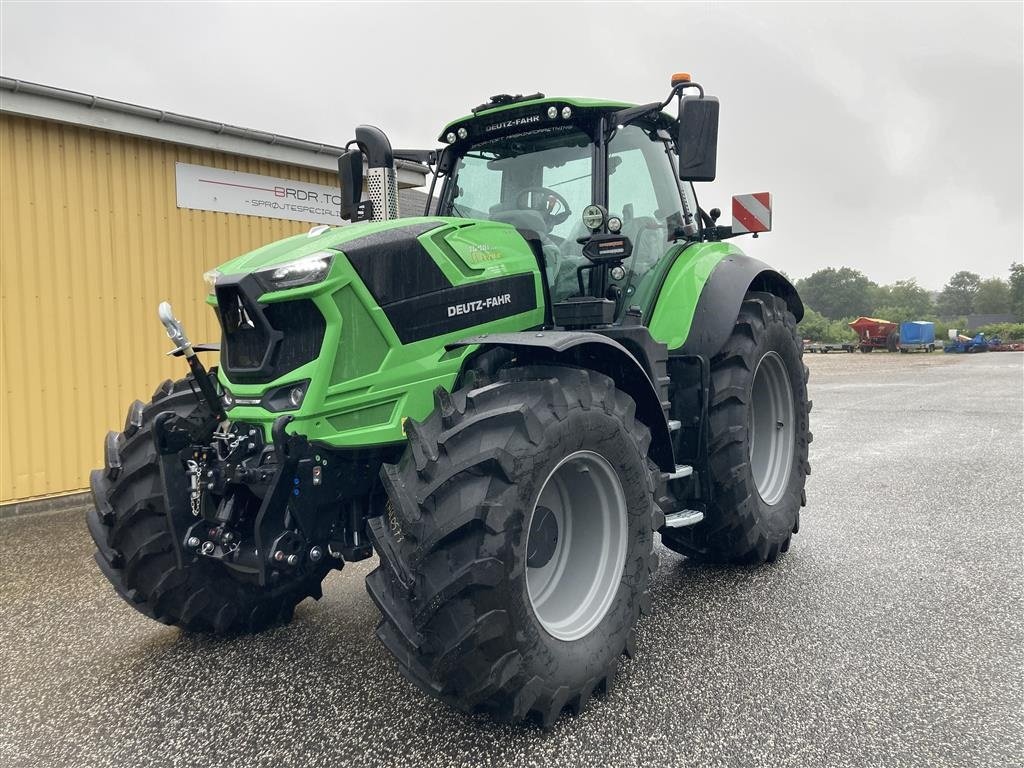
525	120
476	306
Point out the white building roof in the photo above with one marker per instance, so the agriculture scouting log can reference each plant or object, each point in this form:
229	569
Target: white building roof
45	102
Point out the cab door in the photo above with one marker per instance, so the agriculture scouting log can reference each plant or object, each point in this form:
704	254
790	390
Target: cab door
644	193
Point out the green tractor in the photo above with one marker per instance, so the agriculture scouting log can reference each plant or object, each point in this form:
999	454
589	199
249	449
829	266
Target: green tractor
503	400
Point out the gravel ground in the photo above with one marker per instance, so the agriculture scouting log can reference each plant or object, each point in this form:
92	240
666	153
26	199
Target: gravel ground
890	635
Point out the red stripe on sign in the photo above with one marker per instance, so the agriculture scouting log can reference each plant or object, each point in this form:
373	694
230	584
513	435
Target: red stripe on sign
764	198
240	186
745	217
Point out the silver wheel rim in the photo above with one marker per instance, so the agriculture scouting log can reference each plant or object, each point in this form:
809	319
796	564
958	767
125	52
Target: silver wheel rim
772	428
573	588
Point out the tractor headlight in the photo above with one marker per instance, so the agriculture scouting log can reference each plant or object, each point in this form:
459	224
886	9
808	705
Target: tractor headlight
286	398
305	271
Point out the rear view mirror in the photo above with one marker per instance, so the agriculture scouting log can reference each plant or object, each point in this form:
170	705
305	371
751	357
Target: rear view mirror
697	142
350	181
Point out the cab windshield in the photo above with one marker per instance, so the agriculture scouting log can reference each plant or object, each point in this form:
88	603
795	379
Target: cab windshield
542	181
538	182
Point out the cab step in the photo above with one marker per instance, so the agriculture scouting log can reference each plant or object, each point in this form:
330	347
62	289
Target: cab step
682	470
683	518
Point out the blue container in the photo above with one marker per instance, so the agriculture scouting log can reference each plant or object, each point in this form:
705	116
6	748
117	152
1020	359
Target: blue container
917	332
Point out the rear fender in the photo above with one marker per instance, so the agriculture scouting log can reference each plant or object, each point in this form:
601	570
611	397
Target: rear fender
595	352
719	302
728	279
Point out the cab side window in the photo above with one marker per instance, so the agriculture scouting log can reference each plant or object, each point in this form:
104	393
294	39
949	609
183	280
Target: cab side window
630	189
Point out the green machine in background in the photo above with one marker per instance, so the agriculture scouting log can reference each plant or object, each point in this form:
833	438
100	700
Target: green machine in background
503	399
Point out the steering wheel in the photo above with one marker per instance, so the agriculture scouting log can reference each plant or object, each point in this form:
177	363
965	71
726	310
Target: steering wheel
548	203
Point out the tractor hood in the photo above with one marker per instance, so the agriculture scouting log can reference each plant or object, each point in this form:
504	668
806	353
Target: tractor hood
299	246
429	275
367	302
395	260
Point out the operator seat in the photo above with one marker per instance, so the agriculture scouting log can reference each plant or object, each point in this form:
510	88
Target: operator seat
564	282
650	241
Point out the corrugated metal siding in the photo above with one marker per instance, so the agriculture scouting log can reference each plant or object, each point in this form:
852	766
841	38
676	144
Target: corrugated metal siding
91	240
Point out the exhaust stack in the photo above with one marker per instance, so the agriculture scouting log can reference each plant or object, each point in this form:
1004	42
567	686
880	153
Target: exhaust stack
381	179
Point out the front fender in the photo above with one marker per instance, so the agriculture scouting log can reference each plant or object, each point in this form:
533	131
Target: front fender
596	352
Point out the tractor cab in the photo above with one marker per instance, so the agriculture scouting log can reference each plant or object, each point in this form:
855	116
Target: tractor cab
563	170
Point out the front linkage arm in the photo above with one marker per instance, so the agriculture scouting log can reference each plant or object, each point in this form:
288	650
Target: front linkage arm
176	333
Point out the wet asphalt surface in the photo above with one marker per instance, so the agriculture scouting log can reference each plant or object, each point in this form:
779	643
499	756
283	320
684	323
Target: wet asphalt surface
890	635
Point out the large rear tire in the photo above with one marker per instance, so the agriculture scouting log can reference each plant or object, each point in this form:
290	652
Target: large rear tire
134	549
758	442
517	545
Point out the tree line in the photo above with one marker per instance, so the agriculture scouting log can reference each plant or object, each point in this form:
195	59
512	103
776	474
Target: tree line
834	296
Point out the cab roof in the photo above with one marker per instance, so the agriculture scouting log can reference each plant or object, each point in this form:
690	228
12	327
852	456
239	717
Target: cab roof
519	103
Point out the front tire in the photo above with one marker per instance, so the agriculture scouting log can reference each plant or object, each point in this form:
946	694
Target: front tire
134	549
758	442
517	547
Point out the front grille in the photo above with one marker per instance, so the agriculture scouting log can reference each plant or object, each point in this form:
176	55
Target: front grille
302	328
246	340
262	342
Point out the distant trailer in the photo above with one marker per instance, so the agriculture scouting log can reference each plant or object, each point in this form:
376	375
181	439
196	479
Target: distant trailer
998	345
917	336
824	348
874	333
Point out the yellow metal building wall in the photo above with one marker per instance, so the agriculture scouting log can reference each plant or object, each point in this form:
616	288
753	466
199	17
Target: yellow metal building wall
91	240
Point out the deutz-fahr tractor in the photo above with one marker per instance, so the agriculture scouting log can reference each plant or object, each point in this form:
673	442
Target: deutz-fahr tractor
502	400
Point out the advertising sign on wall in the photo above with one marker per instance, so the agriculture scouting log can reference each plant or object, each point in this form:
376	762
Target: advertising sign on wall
214	189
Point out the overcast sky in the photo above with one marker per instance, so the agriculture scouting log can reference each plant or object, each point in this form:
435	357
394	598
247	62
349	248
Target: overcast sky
889	134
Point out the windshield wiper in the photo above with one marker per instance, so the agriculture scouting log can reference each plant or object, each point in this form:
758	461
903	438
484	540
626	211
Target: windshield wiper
566	181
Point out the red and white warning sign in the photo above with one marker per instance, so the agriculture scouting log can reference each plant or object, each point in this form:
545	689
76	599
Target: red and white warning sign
752	213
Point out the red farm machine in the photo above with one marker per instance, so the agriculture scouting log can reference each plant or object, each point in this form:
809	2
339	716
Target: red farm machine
876	334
